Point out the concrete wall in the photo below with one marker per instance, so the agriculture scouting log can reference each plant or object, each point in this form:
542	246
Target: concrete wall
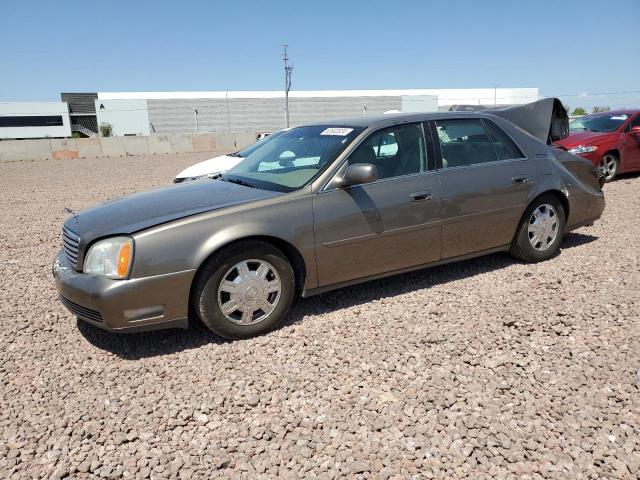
28	109
420	103
68	148
127	117
177	116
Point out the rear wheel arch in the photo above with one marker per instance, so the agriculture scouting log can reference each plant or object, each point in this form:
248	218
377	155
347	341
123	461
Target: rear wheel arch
522	246
562	198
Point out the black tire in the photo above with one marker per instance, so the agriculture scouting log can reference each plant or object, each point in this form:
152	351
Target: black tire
610	164
205	291
521	246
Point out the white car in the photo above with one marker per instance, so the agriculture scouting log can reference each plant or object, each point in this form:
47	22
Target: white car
221	164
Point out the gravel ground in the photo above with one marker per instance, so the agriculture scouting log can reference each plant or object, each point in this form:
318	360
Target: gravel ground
483	369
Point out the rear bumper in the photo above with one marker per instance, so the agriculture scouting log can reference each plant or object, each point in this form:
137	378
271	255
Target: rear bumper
584	209
137	304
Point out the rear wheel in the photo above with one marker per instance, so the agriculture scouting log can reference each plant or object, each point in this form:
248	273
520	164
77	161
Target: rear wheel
244	290
541	230
609	166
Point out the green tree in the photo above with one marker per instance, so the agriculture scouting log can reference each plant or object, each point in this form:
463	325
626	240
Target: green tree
106	130
579	111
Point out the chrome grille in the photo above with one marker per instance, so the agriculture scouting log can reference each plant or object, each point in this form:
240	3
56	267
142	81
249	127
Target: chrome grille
70	244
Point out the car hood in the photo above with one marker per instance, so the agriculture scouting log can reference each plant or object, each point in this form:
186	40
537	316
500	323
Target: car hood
583	138
207	167
136	212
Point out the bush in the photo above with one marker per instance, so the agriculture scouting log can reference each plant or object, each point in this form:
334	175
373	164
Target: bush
106	130
579	111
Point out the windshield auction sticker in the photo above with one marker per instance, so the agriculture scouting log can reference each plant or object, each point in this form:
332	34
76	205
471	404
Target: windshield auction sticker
340	132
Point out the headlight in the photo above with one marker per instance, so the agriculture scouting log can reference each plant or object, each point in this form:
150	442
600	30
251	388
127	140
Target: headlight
583	149
110	257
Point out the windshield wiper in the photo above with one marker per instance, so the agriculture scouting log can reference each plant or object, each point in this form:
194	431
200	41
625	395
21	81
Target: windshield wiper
237	181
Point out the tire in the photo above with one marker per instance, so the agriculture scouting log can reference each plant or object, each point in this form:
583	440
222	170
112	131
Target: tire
241	267
536	243
610	165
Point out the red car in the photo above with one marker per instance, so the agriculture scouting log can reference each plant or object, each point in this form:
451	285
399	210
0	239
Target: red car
610	140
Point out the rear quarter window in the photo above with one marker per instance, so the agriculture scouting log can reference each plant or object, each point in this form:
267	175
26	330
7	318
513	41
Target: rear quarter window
506	149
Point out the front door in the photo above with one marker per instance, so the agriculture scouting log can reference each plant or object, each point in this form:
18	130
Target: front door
387	225
486	182
630	146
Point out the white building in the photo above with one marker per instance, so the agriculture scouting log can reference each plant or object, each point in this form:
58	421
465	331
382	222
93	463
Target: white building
126	117
133	113
34	120
145	113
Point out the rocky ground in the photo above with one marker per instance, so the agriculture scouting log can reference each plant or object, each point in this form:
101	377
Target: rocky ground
484	369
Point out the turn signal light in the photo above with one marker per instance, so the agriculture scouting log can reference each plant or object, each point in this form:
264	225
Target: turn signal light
123	259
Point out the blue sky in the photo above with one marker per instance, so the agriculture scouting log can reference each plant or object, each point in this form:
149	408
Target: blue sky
561	46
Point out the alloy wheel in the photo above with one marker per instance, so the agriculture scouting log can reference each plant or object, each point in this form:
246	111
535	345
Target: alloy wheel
609	166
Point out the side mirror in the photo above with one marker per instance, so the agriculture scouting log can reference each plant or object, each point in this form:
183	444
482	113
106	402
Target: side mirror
635	129
359	173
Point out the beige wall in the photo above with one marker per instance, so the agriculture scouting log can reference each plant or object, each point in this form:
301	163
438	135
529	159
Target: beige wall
47	149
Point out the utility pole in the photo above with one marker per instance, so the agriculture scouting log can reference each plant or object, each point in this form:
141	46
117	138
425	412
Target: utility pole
226	96
195	113
495	94
287	83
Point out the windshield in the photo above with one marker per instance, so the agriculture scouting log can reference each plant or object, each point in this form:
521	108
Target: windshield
293	158
245	152
598	123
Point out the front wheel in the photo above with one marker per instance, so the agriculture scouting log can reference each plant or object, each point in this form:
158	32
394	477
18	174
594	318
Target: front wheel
541	230
609	166
244	290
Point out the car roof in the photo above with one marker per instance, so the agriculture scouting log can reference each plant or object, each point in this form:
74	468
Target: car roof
395	118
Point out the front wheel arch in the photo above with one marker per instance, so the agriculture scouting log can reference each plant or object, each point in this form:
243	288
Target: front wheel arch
616	154
613	151
290	252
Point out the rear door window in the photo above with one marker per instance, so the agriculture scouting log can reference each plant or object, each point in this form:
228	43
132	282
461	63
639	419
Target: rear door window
464	142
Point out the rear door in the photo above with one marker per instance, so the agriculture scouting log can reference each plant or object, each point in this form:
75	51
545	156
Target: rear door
390	224
486	182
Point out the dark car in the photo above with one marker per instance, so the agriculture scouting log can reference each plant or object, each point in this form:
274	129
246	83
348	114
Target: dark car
322	206
609	140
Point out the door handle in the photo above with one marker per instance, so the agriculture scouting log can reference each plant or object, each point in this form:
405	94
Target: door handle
420	196
519	180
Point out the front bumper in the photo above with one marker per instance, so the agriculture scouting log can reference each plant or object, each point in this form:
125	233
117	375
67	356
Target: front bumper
136	304
594	157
